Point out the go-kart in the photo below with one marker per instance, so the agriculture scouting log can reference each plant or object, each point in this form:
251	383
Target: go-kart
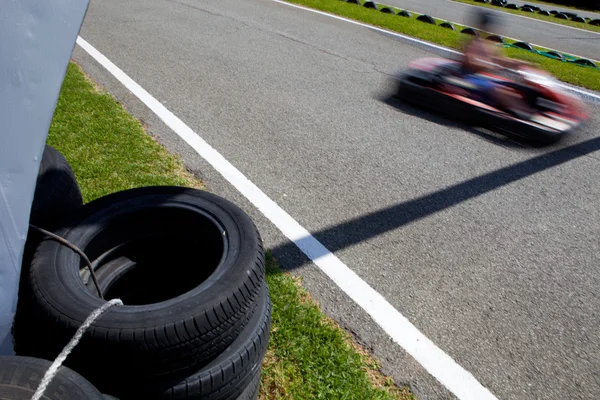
436	83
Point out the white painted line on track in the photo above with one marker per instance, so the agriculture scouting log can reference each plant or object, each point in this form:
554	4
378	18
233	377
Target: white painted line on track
428	44
424	43
440	365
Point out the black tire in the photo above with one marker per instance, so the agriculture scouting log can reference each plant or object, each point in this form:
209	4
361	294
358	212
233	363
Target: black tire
108	274
496	39
173	330
20	377
524	46
252	390
534	8
57	194
556	55
470	31
415	90
585	62
370	4
229	375
426	18
56	197
112	271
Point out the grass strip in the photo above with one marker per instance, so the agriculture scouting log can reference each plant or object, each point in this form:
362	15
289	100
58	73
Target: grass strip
574	74
535	15
107	148
297	367
309	357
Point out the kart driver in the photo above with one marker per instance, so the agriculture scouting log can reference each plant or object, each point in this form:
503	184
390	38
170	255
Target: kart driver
478	56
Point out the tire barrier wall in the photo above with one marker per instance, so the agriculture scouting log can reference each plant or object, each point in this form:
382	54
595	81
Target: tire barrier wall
189	267
528	8
497	38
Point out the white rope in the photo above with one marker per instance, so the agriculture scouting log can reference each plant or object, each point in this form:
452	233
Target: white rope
70	346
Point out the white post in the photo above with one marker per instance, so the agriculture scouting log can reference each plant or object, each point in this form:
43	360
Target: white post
37	39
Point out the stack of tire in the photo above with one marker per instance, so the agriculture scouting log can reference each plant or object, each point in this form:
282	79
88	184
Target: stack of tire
189	267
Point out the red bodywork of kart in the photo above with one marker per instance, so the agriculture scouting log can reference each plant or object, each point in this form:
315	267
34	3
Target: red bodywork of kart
435	83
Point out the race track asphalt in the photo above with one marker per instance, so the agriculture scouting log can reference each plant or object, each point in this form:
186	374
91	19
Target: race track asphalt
489	247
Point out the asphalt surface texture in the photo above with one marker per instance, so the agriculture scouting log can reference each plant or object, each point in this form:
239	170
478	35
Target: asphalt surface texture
559	37
488	246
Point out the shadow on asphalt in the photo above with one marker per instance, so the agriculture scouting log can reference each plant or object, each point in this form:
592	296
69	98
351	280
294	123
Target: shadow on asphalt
485	134
354	231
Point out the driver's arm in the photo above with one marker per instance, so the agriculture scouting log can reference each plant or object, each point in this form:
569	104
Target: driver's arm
475	56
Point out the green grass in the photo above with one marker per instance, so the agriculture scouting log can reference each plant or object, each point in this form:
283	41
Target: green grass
297	368
409	26
308	357
574	74
566	72
107	148
534	15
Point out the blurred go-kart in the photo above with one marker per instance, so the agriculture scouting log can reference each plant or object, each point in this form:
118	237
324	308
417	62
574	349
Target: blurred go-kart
436	83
